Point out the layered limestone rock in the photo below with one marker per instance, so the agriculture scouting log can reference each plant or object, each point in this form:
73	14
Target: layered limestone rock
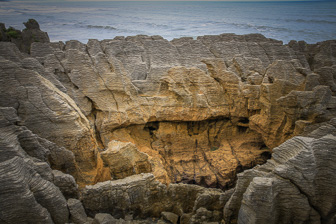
141	196
301	172
23	39
195	111
77	212
193	152
248	93
295	186
27	193
49	113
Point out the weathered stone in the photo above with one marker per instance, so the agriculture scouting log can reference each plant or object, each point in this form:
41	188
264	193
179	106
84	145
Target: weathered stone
77	212
296	175
124	159
27	193
24	39
3	35
202	110
170	217
103	218
115	91
51	114
185	218
66	184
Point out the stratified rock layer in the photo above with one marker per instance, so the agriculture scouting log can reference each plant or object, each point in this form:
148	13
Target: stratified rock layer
296	186
186	102
143	196
188	111
27	192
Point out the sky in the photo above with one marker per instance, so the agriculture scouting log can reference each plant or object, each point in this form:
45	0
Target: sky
159	0
178	0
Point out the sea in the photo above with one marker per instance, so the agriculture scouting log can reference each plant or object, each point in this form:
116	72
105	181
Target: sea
311	21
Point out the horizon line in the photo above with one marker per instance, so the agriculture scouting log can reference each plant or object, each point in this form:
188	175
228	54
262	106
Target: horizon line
166	0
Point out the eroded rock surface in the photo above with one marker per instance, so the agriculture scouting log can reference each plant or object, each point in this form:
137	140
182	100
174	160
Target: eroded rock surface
142	196
27	192
23	39
196	111
124	159
186	101
301	172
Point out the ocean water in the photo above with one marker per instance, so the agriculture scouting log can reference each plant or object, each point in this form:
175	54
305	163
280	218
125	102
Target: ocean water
308	21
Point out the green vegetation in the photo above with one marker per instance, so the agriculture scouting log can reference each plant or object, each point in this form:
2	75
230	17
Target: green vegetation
12	33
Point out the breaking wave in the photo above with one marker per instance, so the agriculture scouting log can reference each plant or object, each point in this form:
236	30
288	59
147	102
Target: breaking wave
101	27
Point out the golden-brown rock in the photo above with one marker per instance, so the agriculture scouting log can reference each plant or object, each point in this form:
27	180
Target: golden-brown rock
123	159
148	91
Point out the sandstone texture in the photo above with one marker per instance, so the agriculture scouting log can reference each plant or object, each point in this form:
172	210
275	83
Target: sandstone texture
141	129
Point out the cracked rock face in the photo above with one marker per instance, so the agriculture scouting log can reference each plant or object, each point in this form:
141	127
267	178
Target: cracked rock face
188	111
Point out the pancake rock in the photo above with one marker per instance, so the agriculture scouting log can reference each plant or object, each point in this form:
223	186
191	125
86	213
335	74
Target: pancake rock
301	172
23	39
186	111
27	191
142	196
229	95
48	112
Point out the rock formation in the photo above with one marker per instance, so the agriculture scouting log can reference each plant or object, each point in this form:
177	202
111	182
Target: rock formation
88	123
301	172
146	197
23	39
124	159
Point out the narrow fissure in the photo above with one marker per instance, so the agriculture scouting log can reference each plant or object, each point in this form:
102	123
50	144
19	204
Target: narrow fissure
94	112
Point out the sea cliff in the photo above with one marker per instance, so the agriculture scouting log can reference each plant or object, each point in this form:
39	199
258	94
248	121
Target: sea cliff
144	130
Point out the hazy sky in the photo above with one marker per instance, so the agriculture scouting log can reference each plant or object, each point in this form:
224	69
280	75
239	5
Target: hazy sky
162	0
168	0
179	0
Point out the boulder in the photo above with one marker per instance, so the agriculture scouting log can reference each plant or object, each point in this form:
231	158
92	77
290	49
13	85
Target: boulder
104	218
66	184
124	159
170	217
